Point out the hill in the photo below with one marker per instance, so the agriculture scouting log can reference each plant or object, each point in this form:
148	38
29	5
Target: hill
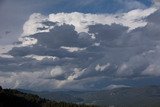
148	96
14	98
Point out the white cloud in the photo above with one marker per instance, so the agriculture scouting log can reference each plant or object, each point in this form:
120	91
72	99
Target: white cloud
77	72
6	56
27	41
40	80
132	19
40	58
72	49
152	70
135	18
111	87
102	67
57	71
125	70
16	80
34	22
81	21
37	80
96	44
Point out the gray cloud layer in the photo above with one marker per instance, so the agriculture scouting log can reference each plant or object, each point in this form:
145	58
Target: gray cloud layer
64	58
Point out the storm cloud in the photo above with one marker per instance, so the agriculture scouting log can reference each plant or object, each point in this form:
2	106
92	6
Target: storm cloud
84	51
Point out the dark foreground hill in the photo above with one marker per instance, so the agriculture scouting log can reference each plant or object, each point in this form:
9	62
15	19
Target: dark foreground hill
14	98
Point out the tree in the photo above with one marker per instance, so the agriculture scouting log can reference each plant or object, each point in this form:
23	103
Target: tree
0	88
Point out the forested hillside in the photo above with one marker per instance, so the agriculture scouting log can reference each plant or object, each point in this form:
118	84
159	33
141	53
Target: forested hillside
14	98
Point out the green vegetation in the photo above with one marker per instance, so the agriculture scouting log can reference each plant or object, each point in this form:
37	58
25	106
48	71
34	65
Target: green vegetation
14	98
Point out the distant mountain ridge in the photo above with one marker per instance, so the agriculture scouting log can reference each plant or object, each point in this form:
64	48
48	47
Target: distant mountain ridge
148	96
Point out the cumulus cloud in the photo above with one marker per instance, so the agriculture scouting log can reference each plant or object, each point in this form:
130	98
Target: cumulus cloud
66	50
57	71
152	70
102	67
81	21
72	49
35	24
33	80
40	58
111	87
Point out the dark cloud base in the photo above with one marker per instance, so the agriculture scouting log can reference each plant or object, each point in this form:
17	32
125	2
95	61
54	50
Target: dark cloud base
122	57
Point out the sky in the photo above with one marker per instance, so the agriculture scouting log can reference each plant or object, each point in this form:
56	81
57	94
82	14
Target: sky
79	44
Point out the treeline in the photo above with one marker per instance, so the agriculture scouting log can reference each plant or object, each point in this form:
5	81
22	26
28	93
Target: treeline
14	98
